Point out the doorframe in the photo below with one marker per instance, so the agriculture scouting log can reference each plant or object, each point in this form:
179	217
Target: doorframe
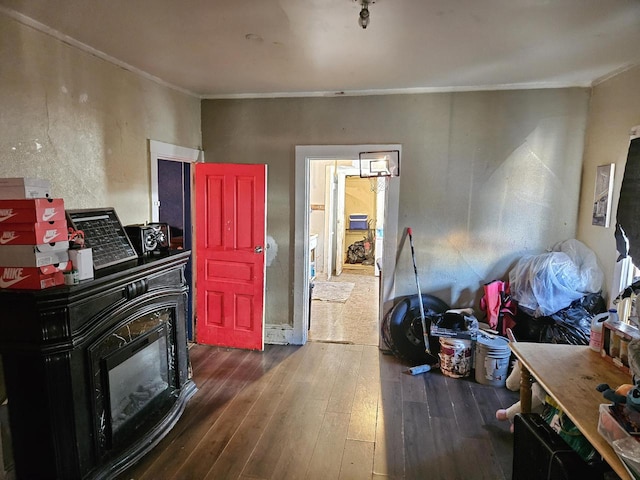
304	154
166	151
329	220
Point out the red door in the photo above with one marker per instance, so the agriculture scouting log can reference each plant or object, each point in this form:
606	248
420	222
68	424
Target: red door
230	239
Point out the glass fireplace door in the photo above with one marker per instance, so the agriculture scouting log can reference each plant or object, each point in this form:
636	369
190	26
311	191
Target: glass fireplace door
137	375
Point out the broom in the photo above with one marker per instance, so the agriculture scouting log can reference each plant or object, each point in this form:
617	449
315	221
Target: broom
425	332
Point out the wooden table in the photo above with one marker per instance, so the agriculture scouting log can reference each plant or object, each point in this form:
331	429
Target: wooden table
570	374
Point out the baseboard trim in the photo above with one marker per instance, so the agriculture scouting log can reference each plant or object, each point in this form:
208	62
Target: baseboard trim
279	335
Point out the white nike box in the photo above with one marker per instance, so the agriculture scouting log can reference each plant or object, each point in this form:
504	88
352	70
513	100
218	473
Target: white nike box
34	255
32	210
33	233
15	188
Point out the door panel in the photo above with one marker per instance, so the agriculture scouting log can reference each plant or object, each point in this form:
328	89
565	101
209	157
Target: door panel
230	239
170	194
329	224
340	226
174	198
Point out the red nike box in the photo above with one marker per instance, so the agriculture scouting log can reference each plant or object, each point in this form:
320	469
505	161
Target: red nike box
33	278
32	210
33	233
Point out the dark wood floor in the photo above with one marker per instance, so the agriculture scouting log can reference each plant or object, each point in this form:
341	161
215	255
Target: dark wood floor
330	411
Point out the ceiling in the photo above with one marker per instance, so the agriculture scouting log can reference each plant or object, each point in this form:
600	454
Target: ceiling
252	48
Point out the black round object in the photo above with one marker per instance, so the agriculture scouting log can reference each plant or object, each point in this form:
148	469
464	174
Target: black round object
402	328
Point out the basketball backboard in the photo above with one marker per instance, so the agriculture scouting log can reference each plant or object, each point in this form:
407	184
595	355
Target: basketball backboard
380	164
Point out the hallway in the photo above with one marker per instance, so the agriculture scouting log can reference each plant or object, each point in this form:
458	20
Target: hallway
354	321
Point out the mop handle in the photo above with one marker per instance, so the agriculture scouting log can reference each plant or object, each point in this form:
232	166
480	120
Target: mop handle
415	270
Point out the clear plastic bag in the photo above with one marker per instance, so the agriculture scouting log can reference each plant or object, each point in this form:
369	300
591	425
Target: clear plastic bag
546	283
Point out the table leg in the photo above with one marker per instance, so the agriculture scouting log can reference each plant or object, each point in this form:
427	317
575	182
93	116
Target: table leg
525	389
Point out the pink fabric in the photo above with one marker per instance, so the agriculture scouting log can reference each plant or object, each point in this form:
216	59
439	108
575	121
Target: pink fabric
498	306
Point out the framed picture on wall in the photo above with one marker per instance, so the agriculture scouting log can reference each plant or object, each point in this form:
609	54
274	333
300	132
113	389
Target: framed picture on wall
602	195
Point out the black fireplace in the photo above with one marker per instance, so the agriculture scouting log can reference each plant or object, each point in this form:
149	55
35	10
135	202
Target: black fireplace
134	377
97	373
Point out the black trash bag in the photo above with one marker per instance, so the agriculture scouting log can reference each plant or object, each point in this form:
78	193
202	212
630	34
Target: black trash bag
571	325
356	252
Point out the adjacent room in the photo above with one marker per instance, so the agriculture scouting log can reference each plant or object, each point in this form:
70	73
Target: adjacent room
299	239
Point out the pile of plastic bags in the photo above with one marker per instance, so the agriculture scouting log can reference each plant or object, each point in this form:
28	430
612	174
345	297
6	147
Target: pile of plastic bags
546	283
558	293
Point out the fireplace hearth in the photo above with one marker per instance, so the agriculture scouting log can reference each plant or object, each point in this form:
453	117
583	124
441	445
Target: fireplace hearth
96	373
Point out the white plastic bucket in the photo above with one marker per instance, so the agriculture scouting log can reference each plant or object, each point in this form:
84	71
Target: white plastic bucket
455	357
492	361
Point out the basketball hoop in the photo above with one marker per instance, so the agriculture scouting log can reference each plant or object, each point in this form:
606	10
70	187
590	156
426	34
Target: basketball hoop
378	167
378	184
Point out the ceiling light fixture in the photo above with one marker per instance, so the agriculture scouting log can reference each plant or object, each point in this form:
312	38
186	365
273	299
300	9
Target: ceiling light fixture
363	19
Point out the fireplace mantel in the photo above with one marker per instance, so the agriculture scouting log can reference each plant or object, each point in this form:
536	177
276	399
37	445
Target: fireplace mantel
50	341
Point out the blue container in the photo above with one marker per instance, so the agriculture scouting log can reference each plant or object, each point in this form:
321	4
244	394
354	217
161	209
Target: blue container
358	221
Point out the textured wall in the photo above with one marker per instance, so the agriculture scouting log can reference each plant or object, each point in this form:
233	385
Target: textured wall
615	108
84	123
485	176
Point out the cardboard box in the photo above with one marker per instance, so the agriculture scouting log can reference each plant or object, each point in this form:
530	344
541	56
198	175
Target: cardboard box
33	233
436	331
459	323
32	210
15	188
34	255
33	278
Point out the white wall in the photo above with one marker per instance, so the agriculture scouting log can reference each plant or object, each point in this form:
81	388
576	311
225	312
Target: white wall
485	176
83	123
317	191
614	109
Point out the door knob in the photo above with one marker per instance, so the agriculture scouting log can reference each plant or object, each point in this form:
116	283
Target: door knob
258	249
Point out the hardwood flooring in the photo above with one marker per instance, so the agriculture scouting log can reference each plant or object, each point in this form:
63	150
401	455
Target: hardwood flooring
330	411
336	408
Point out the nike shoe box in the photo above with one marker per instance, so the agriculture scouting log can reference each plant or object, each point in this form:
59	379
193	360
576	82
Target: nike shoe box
34	255
32	210
33	233
16	188
33	278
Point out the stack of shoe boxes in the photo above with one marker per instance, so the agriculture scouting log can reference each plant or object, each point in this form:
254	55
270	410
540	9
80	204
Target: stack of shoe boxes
33	235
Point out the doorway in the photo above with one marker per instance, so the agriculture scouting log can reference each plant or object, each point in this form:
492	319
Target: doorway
302	253
171	202
344	278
